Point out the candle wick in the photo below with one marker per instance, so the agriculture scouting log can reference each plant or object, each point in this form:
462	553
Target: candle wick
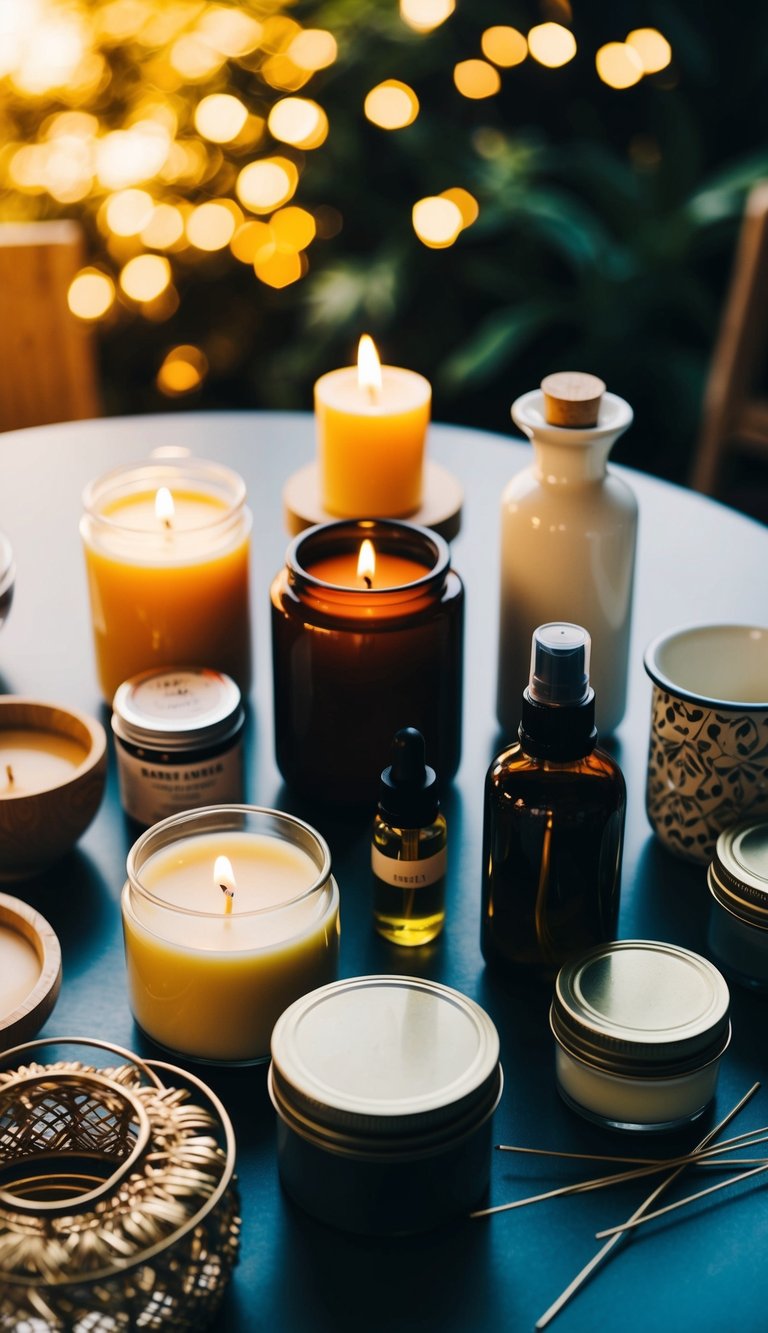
167	524
367	580
373	395
9	775
229	895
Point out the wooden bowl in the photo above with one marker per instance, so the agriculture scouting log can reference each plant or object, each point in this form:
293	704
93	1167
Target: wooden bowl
38	826
7	577
23	1011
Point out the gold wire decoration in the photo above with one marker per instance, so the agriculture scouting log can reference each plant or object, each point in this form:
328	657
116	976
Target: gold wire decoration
118	1199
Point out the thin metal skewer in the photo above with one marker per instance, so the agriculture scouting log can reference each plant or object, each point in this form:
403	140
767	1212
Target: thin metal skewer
597	1259
691	1198
638	1161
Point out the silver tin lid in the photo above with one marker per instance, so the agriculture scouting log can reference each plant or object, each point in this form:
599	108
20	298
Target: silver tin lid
641	1007
385	1058
738	875
177	709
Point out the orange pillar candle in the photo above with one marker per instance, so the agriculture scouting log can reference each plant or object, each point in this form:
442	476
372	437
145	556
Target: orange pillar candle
167	551
364	642
371	427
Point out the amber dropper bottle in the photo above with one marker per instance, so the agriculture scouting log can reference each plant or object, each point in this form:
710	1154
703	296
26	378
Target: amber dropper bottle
554	821
408	847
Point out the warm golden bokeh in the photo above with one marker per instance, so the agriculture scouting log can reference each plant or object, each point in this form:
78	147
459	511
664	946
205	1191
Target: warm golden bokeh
298	121
551	44
182	371
391	105
465	202
619	65
264	185
654	50
91	294
437	221
424	15
476	79
504	46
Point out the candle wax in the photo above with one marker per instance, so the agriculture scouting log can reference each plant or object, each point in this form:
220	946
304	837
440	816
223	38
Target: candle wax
371	443
38	760
212	986
392	571
19	969
169	595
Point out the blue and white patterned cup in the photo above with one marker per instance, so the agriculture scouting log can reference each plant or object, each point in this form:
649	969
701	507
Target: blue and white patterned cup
708	755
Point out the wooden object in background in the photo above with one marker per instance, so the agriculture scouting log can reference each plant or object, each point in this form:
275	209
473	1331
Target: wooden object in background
734	417
47	364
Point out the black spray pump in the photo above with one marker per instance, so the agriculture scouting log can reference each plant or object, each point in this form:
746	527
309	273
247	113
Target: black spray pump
408	848
554	820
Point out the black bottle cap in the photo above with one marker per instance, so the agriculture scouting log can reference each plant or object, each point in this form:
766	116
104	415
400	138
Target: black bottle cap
408	793
558	713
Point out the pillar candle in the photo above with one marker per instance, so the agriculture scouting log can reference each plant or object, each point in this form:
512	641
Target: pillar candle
357	655
229	914
371	429
166	549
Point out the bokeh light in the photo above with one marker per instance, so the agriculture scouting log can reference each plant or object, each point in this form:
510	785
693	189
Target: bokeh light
183	370
144	277
212	225
476	79
220	117
654	50
465	202
91	294
128	211
298	121
313	49
619	65
437	221
504	46
264	185
391	105
551	44
425	15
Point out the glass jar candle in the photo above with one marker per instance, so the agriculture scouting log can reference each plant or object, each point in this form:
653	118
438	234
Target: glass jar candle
639	1029
738	923
230	913
178	741
166	551
360	651
385	1089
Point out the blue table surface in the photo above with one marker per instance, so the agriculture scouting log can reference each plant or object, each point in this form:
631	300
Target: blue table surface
697	561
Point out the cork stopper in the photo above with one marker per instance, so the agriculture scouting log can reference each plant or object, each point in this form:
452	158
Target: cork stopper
572	398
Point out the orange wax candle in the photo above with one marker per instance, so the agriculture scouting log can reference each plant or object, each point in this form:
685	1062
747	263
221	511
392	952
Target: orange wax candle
371	427
167	551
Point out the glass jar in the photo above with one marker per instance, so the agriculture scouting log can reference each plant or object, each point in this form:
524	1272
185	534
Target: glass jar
356	658
738	923
229	914
639	1027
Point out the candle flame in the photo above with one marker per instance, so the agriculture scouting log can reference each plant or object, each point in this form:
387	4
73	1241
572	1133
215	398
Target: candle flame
369	367
224	876
164	507
366	563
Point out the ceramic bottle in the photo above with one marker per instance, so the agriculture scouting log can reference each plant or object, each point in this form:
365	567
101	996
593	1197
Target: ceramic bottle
568	530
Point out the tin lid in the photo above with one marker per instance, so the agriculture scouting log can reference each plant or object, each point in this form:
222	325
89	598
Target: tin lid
641	1007
177	709
385	1057
738	875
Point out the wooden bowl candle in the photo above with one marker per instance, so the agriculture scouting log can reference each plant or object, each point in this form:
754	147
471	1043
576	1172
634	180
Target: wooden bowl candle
30	971
53	764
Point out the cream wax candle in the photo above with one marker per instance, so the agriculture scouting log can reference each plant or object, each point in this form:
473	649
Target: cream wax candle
166	551
230	913
371	428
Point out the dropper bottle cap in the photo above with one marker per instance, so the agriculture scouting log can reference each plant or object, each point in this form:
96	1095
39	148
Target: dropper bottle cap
558	714
408	793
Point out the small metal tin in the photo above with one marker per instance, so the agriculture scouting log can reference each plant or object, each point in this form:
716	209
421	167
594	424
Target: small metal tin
738	923
639	1029
178	737
384	1088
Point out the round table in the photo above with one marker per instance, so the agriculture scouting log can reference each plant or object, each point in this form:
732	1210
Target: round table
697	561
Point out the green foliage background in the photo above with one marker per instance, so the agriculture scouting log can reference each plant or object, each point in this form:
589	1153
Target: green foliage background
606	230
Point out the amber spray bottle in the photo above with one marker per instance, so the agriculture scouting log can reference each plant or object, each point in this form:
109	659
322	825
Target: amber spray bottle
554	821
409	847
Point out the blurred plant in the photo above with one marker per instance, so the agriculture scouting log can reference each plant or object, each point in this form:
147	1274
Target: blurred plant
490	201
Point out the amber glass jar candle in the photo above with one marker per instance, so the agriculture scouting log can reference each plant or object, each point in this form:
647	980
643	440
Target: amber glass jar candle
367	627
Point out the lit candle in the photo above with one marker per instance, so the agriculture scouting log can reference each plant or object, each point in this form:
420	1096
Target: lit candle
229	914
361	650
166	549
371	425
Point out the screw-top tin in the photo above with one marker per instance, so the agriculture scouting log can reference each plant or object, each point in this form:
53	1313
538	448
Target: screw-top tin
738	883
640	1027
178	736
384	1088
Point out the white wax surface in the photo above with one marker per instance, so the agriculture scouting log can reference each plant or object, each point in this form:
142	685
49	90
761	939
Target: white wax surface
38	760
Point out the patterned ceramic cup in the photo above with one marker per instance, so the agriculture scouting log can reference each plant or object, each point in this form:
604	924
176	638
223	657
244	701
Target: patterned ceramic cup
708	756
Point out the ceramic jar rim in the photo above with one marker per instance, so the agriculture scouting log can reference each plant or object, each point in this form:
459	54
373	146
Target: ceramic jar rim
224	818
665	682
614	418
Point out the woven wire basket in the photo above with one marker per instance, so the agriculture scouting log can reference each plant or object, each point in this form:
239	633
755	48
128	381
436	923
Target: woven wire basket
118	1199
